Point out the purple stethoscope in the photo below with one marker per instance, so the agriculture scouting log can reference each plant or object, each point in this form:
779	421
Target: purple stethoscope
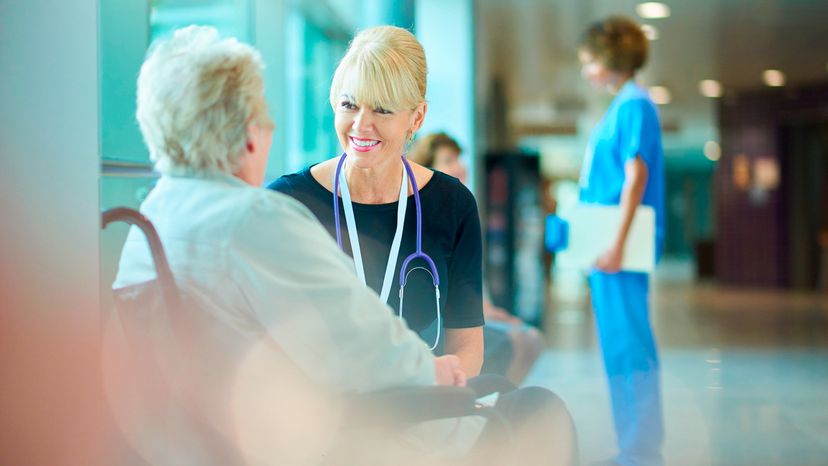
407	174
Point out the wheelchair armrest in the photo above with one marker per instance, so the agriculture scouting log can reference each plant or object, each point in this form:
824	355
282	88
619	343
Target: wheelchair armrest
486	384
404	406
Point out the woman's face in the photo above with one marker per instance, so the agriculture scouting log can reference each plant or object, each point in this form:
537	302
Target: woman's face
595	71
371	136
447	160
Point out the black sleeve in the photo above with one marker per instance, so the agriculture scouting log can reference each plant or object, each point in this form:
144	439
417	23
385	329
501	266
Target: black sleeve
282	185
464	305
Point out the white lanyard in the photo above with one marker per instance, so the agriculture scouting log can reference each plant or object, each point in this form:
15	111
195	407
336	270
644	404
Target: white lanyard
394	253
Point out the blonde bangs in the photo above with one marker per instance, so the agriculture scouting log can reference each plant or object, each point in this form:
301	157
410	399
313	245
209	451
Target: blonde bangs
381	75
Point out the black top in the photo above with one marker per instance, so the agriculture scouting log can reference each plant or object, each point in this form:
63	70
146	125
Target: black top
451	236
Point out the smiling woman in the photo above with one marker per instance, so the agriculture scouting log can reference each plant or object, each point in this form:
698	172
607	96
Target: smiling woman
378	97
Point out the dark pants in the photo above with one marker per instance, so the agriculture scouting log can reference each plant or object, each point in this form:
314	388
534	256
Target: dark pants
538	429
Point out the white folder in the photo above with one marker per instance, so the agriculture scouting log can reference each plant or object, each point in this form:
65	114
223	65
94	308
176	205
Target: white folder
592	229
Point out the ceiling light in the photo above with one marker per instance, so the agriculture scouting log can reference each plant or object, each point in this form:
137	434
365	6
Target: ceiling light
712	150
652	10
650	31
660	95
710	88
773	78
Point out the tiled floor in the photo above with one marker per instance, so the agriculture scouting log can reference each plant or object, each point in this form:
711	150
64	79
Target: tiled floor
744	373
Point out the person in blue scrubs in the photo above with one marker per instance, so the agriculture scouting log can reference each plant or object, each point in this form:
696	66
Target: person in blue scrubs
624	165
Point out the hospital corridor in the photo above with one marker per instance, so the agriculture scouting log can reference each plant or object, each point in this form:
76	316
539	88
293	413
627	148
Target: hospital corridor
413	233
736	391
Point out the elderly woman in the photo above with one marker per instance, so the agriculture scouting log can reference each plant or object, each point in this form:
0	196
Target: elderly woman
511	346
392	208
266	281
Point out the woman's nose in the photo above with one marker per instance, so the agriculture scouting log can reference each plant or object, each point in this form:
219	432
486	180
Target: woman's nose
362	120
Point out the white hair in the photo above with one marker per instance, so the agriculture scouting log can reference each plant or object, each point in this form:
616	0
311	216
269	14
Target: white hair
197	93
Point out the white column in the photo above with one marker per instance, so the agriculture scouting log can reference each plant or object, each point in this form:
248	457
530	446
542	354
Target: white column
269	36
446	30
52	402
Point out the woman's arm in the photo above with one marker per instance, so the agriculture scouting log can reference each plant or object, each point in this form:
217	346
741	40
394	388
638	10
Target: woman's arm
467	344
635	181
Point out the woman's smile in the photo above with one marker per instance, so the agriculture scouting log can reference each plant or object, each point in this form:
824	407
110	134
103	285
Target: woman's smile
362	144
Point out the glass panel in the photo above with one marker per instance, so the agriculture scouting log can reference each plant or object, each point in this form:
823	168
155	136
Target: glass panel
230	17
123	43
312	63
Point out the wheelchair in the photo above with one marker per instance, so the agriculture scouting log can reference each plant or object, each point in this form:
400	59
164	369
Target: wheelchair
157	416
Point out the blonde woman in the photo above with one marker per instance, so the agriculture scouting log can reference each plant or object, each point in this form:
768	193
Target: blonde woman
378	97
406	224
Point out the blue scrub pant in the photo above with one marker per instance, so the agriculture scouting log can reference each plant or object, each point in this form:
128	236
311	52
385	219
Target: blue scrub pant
622	316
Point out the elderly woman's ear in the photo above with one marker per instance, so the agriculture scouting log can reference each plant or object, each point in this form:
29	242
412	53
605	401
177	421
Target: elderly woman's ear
256	151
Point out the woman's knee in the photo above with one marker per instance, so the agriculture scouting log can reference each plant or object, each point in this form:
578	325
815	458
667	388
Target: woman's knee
528	345
536	405
544	427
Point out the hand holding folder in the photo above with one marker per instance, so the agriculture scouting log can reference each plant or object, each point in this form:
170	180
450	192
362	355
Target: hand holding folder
580	234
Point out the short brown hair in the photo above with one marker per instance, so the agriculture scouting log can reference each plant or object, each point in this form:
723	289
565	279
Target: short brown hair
618	42
425	148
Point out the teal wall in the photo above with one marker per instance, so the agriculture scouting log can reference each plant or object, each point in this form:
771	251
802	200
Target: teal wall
124	36
689	201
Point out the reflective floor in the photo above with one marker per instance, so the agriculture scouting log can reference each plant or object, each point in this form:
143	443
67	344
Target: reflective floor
744	373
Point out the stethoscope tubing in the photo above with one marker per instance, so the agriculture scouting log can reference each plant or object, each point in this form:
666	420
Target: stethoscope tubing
417	254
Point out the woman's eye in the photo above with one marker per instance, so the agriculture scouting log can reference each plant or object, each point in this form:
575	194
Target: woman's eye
347	105
383	111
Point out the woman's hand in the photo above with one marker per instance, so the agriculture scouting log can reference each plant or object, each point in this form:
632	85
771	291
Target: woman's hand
448	371
610	261
635	181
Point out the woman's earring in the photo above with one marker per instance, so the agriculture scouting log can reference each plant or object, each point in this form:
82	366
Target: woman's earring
409	140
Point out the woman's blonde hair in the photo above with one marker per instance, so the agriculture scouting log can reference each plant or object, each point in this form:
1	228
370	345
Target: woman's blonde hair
197	93
384	67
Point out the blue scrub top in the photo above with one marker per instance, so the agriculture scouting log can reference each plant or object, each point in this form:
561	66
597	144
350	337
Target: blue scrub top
630	127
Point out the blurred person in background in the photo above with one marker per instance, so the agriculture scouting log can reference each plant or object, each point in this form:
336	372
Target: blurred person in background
624	166
511	347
